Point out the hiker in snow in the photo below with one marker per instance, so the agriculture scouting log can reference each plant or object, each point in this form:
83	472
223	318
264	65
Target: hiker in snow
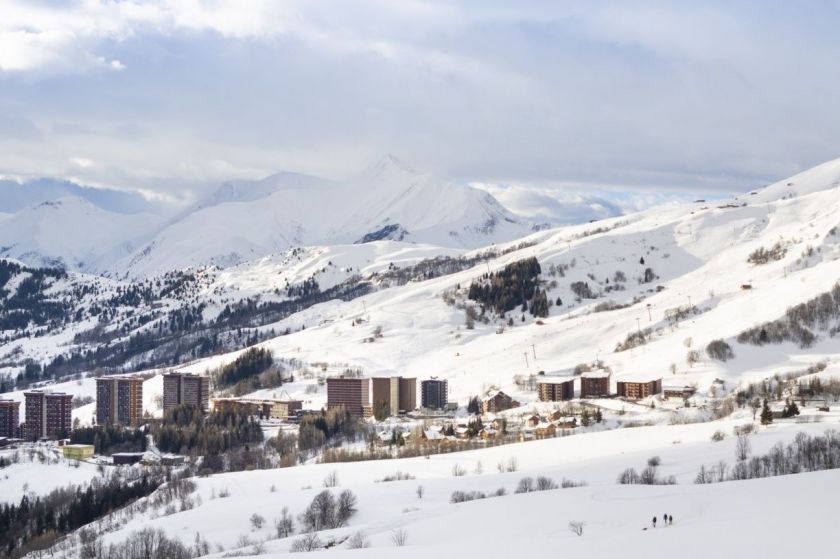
654	522
670	520
664	519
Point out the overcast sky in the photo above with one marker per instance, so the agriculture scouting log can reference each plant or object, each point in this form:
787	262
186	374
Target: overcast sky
686	96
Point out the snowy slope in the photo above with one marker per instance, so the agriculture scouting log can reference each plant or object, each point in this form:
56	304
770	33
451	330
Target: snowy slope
698	253
734	515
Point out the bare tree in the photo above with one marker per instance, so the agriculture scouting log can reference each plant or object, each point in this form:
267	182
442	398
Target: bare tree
420	491
576	527
526	485
742	447
285	525
358	540
346	507
399	537
331	480
458	470
257	521
308	542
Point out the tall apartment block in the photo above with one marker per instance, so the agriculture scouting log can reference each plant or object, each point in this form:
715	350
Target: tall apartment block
353	394
119	400
186	389
47	414
400	394
434	393
9	418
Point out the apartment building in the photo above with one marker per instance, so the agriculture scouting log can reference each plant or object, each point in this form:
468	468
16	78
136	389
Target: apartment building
9	418
556	390
186	389
47	414
353	394
434	393
119	400
595	384
636	390
400	394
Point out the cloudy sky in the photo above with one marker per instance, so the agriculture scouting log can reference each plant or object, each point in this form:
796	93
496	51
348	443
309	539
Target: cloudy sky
652	96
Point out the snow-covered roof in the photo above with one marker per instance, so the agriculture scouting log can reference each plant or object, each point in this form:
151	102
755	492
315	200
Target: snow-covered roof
595	374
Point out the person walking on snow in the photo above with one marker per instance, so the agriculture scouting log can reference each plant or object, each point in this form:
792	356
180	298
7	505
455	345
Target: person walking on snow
664	519
670	520
654	522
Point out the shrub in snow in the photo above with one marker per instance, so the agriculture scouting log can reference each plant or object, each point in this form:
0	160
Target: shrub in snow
720	350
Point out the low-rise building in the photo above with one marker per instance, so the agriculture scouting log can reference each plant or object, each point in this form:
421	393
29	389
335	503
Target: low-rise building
172	460
681	392
263	408
77	451
126	458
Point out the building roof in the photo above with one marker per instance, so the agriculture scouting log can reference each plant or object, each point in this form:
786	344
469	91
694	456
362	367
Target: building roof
595	374
433	435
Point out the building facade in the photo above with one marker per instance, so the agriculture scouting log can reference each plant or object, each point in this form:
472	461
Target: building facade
119	400
398	393
556	391
434	393
77	451
47	414
265	409
595	384
353	394
635	390
186	389
498	402
9	418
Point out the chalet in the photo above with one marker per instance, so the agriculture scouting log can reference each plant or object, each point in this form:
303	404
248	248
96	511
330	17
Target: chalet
533	421
433	435
637	390
497	402
565	422
488	433
545	429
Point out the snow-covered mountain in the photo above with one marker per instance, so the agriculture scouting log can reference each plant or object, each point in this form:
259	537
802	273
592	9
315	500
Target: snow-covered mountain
71	232
389	200
91	230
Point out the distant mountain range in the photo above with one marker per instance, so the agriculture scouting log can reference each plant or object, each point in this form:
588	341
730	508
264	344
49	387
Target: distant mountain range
91	230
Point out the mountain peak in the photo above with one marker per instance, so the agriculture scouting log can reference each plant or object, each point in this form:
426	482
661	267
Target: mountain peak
390	165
